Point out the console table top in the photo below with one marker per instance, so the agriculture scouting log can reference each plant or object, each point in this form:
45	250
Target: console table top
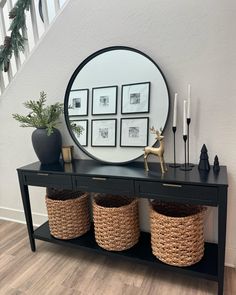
133	170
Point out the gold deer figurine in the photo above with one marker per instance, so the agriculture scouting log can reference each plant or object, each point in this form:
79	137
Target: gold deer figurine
158	151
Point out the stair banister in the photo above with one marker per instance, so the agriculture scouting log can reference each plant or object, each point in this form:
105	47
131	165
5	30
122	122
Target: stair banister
34	32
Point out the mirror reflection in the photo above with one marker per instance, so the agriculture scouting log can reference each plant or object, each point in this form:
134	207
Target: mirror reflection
115	96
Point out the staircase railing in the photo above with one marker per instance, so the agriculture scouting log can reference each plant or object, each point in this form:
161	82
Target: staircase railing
35	29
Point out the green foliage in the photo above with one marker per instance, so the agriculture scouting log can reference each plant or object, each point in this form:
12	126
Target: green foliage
5	56
16	40
40	116
76	128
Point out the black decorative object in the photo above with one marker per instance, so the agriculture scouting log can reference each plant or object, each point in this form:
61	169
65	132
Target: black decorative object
185	167
203	175
174	165
47	148
204	162
188	123
216	167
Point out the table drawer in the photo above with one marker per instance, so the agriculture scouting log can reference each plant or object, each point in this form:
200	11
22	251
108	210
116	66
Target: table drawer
177	192
104	185
48	180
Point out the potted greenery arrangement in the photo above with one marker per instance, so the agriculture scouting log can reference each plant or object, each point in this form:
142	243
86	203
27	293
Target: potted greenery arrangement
46	138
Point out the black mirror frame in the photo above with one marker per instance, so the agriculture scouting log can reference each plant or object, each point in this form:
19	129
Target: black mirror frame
71	81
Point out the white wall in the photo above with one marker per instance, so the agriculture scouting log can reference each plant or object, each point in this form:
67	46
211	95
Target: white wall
192	42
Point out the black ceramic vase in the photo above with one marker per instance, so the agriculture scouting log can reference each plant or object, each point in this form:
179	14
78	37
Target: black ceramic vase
47	148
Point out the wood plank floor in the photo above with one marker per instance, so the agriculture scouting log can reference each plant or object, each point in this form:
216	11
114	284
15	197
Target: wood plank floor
53	269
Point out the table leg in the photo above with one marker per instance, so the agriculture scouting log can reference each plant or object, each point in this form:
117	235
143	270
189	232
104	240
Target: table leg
27	210
222	218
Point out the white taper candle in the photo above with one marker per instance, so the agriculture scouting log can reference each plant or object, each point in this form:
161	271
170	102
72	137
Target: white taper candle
184	119
175	110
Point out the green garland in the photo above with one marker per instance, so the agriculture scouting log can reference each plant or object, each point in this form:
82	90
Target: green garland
14	43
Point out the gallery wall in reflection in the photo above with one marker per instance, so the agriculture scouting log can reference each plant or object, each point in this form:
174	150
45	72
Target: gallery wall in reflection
135	99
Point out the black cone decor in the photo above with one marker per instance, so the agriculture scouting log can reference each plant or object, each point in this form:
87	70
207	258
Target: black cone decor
216	166
204	162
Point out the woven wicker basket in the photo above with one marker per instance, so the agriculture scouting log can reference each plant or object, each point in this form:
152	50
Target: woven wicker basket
116	222
68	214
177	232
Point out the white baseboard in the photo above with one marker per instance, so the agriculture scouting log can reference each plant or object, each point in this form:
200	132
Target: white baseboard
16	215
230	257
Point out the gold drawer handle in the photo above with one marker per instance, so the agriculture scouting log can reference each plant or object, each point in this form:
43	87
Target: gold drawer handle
99	178
171	185
42	174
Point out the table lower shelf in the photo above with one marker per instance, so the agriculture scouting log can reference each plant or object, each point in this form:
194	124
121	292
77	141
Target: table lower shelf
141	252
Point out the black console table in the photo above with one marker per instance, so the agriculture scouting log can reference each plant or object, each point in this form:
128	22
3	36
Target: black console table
179	186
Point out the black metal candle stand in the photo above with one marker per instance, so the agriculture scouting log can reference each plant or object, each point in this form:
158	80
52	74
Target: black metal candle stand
185	167
174	165
188	123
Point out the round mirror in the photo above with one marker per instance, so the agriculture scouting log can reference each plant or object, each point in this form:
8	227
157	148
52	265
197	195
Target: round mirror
114	97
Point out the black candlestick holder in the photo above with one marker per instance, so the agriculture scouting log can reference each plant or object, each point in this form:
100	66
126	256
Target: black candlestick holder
188	123
174	165
185	167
